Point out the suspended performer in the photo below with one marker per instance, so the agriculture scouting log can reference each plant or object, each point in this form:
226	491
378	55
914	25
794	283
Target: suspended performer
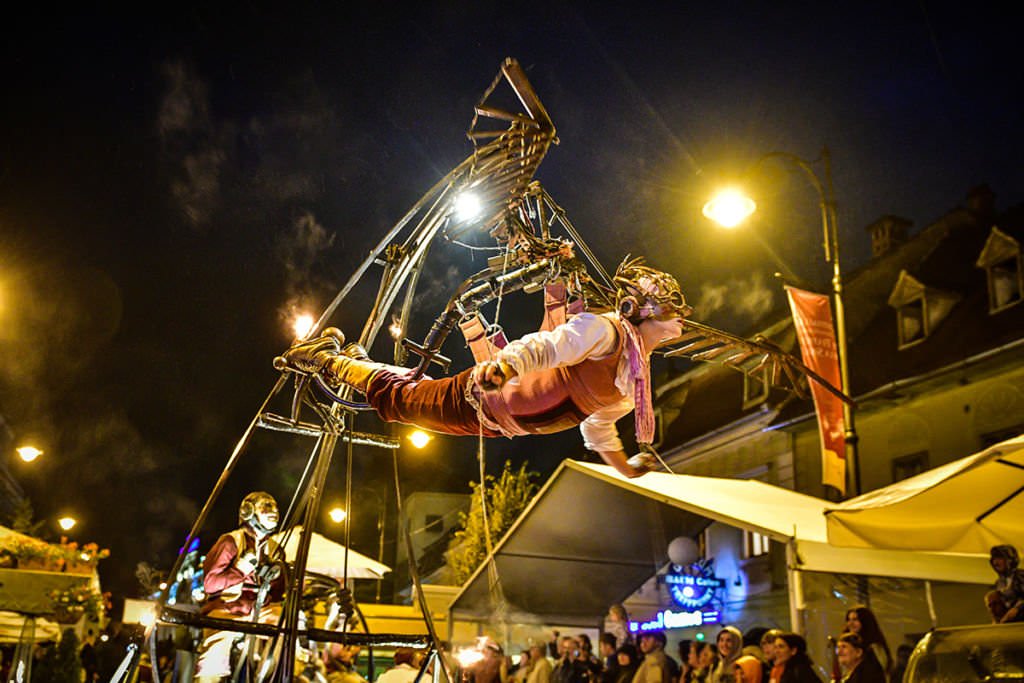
589	371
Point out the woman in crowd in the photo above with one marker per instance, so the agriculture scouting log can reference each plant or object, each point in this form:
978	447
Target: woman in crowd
684	660
857	665
628	660
792	665
861	620
768	652
694	674
747	669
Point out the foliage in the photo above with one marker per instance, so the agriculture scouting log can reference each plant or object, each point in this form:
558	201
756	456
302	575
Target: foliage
89	554
60	664
21	519
507	496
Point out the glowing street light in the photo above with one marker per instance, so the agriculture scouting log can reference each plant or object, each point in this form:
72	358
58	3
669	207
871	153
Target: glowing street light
729	208
337	515
302	325
419	438
29	453
67	523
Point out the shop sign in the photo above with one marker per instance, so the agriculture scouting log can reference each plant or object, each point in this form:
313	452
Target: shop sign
693	591
667	619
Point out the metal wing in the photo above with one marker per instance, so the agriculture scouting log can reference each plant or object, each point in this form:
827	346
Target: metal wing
750	356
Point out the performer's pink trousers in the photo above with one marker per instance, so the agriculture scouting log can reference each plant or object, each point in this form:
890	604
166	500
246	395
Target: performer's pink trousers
439	405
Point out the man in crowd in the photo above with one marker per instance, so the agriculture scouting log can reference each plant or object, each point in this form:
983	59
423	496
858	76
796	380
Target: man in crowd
1007	603
241	570
655	667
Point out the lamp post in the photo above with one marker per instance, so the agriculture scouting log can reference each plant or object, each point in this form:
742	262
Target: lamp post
731	209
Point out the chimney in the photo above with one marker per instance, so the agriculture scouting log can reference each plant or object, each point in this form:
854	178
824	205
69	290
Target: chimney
981	201
887	232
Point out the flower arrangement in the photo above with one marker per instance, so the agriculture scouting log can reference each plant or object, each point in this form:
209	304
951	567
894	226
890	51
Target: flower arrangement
81	559
32	553
70	604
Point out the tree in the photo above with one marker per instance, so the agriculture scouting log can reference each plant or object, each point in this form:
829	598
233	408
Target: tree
507	496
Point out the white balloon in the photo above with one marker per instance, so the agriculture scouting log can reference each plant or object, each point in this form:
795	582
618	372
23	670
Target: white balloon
683	551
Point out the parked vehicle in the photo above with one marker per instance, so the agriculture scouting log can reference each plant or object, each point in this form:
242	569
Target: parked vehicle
968	654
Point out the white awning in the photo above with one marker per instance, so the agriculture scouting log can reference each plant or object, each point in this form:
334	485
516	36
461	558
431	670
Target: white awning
967	506
591	537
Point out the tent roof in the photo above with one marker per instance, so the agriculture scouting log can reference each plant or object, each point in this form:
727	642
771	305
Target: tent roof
328	557
968	505
591	537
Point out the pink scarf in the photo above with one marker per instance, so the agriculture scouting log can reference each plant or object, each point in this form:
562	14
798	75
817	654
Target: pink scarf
640	369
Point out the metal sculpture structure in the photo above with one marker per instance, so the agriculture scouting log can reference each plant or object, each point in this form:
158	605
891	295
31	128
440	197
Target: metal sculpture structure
536	247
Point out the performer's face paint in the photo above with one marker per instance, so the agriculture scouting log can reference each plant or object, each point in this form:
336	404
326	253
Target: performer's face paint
266	514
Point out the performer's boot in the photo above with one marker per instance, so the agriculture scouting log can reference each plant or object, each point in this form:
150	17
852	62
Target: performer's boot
350	366
351	371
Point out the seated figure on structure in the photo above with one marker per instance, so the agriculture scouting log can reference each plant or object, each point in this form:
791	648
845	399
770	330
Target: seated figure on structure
589	371
241	573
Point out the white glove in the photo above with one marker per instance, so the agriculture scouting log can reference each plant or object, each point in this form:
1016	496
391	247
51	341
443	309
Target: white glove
643	461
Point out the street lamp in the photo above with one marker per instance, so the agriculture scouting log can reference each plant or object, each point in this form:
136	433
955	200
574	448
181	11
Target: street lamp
732	207
67	523
337	515
28	453
419	438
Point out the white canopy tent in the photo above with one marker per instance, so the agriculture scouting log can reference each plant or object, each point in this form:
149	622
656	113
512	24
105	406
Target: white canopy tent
591	537
328	557
966	506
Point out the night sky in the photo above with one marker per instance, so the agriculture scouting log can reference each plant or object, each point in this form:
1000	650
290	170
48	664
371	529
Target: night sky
176	183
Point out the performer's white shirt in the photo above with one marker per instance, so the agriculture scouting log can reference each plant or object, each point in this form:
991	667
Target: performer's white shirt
582	336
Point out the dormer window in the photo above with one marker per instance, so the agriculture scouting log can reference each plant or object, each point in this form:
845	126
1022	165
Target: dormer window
1001	260
919	309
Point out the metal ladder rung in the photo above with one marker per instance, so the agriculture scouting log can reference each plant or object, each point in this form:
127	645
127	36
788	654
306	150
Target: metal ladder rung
278	423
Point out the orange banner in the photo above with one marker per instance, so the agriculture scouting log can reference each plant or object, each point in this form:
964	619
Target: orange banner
812	317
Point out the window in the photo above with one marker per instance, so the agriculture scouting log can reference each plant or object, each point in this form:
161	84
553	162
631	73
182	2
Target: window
434	524
919	309
754	544
907	466
992	438
910	323
1001	260
1004	284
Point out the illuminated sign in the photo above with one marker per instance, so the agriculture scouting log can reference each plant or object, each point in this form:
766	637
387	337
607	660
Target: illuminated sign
667	619
693	591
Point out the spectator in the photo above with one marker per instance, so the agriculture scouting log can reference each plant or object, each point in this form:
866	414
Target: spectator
791	660
747	669
903	652
90	661
752	642
588	658
570	667
340	663
708	661
628	660
729	642
617	623
694	672
403	669
861	620
768	652
492	668
1009	585
540	667
683	648
522	668
654	668
856	665
606	647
